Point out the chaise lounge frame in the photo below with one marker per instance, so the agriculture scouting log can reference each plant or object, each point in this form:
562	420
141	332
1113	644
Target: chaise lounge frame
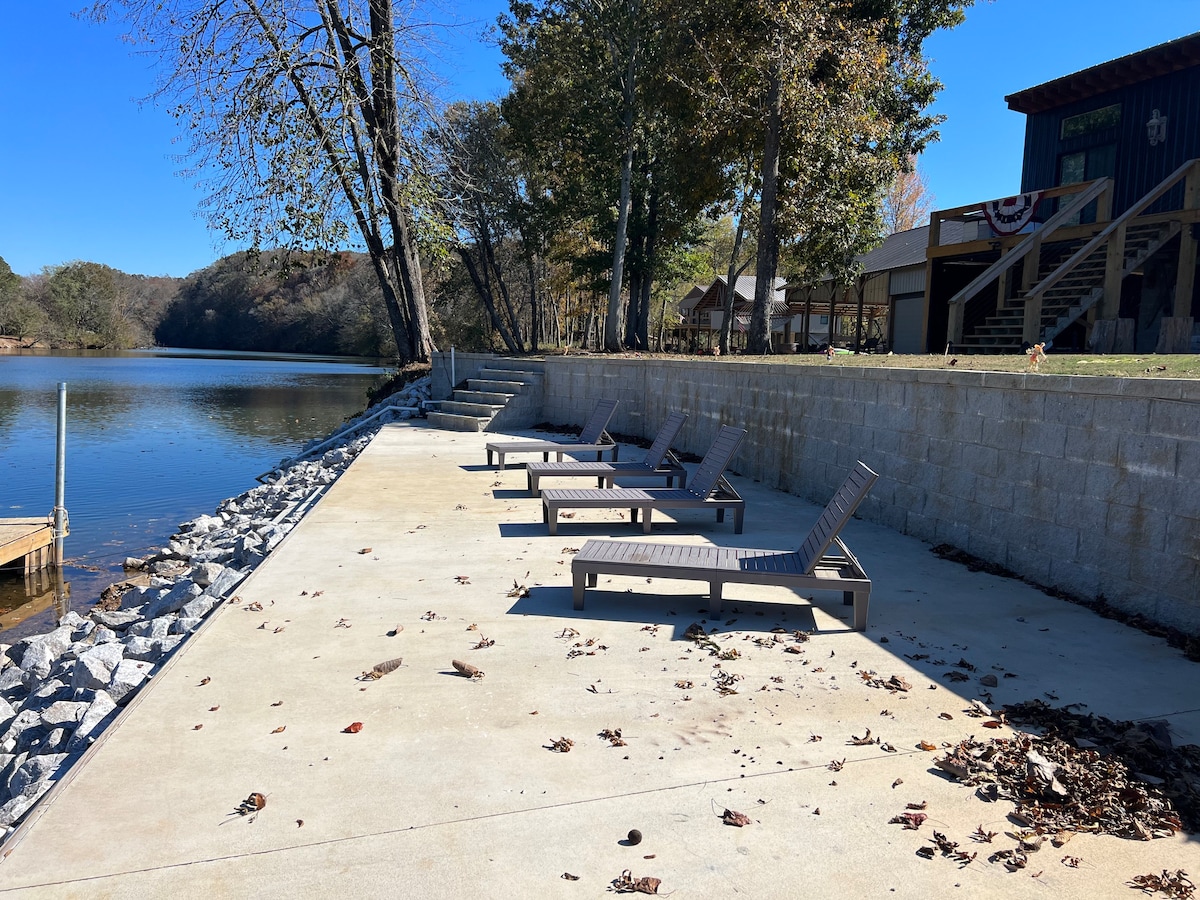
592	437
658	461
812	567
708	489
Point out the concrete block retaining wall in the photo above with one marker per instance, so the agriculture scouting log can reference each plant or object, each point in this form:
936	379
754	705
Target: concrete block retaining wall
1090	485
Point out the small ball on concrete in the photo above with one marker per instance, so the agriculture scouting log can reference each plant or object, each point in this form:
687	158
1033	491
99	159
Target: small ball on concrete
635	837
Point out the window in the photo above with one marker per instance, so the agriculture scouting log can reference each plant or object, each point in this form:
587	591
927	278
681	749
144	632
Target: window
824	320
1086	123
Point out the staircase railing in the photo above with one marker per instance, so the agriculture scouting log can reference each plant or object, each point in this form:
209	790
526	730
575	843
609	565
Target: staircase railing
1033	299
1032	241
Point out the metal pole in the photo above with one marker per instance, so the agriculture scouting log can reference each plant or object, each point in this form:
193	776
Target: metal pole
453	379
60	480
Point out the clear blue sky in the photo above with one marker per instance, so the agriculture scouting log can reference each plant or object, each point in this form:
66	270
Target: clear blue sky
86	173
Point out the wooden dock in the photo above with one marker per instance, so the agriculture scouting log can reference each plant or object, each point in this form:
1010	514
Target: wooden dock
29	540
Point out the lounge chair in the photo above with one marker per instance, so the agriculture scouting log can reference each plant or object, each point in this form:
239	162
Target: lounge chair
812	567
707	489
593	437
659	460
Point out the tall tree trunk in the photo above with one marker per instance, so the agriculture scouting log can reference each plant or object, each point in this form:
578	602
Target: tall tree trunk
483	288
612	325
759	337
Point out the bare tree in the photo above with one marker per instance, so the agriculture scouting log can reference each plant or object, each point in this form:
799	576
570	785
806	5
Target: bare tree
303	119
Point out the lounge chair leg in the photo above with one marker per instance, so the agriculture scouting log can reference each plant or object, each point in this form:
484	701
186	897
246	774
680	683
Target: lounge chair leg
862	602
646	522
546	457
633	515
550	517
714	597
739	516
720	516
577	587
489	453
531	483
560	456
499	460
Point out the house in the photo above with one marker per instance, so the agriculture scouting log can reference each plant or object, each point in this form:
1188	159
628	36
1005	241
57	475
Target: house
1098	250
702	311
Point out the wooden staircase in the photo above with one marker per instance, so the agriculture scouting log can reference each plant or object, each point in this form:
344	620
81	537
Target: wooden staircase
497	398
1071	296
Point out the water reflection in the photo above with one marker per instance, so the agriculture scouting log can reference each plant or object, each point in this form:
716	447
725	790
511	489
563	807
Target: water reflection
153	439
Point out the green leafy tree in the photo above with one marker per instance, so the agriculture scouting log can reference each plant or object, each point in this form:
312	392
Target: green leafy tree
832	94
304	120
86	306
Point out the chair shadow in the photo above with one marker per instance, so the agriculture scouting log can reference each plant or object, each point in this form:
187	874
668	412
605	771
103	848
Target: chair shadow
625	606
512	495
479	468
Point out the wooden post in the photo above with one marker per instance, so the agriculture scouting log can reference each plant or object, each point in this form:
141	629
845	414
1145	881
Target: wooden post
1031	329
1032	263
935	239
1185	276
954	323
1114	274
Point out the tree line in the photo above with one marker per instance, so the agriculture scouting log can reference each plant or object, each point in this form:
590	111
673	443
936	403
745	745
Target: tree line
565	211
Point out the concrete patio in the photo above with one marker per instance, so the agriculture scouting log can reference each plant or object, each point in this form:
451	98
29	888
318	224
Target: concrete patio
450	789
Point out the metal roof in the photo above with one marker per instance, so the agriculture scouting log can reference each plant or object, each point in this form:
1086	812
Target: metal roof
1162	59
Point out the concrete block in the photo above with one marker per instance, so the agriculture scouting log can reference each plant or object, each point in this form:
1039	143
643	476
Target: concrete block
1062	476
945	452
1018	469
994	493
1029	563
1136	527
1091	443
980	460
955	482
1182	537
1125	415
1023	406
1069	409
1147	454
1044	439
1002	434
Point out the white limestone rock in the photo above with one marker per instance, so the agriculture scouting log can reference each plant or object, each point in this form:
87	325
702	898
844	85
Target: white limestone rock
223	585
7	713
127	677
94	669
115	619
172	600
204	573
93	720
141	648
72	620
155	628
185	625
12	678
199	607
63	713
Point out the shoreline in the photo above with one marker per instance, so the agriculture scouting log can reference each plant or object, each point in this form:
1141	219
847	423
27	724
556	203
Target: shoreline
60	689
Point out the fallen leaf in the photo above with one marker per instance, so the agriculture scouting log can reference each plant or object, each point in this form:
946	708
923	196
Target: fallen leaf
299	823
466	669
863	741
253	803
945	715
917	806
627	884
926	746
395	631
213	708
381	669
353	728
732	817
562	745
989	680
205	680
910	820
567	876
364	550
197	727
277	703
280	729
897	783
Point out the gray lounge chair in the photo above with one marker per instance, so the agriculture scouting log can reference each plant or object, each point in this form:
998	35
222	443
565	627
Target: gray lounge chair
812	567
707	489
658	461
592	437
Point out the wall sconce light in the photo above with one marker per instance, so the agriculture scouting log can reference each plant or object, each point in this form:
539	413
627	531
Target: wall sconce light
1156	129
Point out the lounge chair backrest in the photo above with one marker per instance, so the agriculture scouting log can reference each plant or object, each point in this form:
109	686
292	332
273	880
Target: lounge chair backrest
836	515
662	443
594	427
716	460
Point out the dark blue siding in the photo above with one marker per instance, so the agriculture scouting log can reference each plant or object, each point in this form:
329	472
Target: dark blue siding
1139	167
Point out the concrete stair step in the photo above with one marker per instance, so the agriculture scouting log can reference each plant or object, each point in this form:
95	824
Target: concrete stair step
454	422
492	398
519	375
479	410
492	386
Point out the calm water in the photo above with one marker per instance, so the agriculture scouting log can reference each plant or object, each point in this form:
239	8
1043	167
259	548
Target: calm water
154	438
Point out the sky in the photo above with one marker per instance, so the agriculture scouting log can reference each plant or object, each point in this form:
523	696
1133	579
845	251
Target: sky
87	172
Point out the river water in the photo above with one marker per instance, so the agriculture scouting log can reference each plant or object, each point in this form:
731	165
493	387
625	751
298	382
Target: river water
154	438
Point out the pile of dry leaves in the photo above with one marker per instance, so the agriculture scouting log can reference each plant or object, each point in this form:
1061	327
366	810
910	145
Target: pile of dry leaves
1085	774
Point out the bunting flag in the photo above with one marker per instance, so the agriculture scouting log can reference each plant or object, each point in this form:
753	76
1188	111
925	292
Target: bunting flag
1010	215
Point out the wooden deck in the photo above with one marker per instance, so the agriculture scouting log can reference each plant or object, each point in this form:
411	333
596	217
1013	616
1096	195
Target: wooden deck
30	540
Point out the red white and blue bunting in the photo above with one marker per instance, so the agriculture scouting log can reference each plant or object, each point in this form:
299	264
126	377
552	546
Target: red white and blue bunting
1010	215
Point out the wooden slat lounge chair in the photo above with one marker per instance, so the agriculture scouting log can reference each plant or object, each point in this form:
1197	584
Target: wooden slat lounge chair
707	489
659	460
812	567
592	437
